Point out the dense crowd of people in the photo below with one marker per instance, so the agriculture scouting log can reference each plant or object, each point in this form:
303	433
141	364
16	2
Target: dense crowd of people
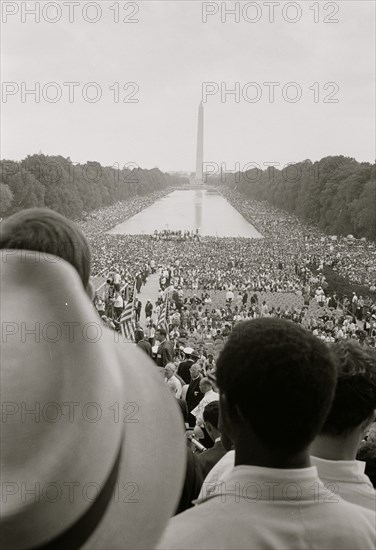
351	258
278	424
286	241
280	275
178	235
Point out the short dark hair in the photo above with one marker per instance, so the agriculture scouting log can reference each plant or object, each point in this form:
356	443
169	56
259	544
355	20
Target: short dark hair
46	231
211	413
162	331
206	382
280	378
355	397
138	335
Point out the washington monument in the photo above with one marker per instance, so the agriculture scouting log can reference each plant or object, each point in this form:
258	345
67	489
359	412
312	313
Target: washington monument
200	144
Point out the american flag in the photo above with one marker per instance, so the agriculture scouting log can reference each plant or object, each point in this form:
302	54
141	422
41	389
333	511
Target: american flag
126	320
127	312
163	317
127	330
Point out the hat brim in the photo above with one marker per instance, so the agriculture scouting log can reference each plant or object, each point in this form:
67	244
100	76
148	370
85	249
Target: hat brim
149	501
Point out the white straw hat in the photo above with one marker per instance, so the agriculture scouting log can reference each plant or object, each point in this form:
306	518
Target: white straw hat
90	434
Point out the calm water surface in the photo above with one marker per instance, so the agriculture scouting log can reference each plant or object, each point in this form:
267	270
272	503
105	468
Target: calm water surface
207	211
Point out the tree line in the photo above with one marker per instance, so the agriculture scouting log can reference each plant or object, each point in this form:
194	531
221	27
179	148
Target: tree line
336	193
73	189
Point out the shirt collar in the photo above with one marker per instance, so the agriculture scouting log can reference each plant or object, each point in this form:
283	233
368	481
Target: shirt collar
255	483
338	469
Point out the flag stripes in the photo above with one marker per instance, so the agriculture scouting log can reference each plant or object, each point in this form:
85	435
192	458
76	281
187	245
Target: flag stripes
127	330
127	312
127	318
163	319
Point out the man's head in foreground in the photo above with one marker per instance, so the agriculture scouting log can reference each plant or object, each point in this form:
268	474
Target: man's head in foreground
276	383
354	404
48	233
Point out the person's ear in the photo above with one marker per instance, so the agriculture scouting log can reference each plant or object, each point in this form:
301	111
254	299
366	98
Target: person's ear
90	290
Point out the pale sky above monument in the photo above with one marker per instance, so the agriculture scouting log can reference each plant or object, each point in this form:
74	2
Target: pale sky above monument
169	53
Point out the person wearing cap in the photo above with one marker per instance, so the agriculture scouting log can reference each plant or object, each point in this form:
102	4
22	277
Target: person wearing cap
85	450
273	497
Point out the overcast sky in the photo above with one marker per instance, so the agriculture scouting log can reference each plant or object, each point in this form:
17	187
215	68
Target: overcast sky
169	53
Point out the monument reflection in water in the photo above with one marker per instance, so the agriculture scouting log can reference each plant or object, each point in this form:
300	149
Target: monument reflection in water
207	211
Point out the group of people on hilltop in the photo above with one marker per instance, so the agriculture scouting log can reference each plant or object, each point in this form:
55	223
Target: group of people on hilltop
292	456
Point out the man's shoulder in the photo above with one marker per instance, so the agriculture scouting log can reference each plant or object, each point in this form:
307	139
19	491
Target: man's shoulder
145	346
215	453
187	530
354	521
206	526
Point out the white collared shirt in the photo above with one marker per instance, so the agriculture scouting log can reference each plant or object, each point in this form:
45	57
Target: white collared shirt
119	302
274	509
198	411
175	386
348	478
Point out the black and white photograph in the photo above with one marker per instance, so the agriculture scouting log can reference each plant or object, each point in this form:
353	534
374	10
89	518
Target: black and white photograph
188	275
